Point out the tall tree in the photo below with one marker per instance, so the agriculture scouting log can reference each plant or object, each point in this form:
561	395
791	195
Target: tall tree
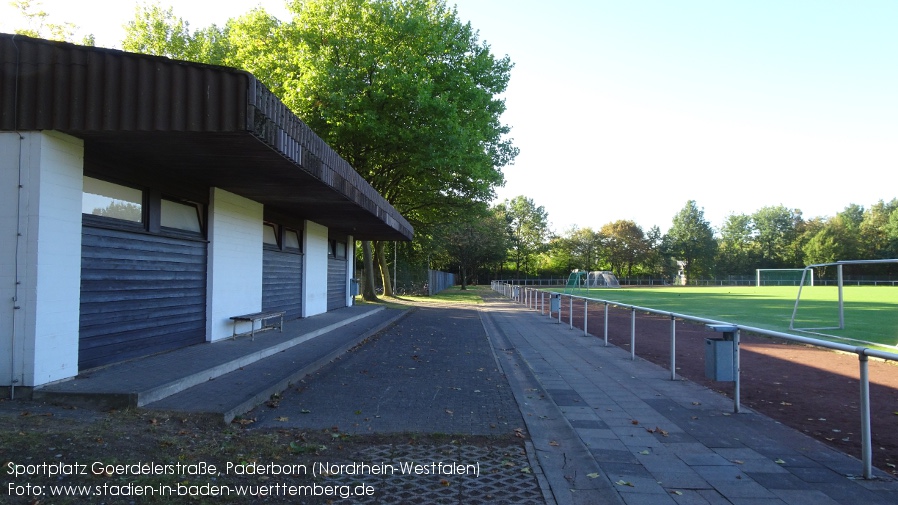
474	243
625	246
874	230
527	227
775	230
736	253
691	240
401	89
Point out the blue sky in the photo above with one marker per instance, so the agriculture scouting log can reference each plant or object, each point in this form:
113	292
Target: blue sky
627	109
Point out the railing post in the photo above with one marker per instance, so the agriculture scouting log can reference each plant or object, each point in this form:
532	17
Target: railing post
866	436
737	401
606	324
633	334
585	316
570	312
673	348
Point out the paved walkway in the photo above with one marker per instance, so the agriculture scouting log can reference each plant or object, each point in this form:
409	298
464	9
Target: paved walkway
608	430
603	429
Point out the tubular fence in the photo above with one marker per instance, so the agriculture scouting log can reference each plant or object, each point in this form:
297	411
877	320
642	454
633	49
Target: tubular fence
536	299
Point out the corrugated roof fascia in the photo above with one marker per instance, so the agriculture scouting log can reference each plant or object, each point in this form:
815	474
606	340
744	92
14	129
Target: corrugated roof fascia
277	126
49	85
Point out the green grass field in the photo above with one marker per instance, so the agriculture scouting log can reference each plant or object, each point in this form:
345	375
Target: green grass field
871	312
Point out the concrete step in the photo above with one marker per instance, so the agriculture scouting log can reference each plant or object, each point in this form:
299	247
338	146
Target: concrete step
241	390
139	382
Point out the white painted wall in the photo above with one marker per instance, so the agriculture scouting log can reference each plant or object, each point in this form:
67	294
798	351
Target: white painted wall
234	272
41	336
350	267
314	269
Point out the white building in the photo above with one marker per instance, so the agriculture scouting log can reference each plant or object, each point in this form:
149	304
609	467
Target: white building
144	201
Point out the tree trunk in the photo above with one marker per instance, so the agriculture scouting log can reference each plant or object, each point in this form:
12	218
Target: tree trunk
368	288
464	284
384	268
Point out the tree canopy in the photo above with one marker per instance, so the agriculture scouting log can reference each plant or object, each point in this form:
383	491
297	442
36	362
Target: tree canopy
691	240
401	89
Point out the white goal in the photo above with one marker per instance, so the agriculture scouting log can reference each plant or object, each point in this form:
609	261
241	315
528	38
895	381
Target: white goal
784	277
602	279
841	296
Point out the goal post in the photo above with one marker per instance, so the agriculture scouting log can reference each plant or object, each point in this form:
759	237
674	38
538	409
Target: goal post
784	277
840	285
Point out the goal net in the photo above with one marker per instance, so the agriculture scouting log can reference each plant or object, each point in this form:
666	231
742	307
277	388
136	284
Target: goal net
602	279
784	277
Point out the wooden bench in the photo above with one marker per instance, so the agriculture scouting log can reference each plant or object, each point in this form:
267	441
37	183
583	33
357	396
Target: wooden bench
261	317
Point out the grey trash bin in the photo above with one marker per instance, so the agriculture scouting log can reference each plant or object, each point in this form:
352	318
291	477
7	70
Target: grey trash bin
554	302
719	359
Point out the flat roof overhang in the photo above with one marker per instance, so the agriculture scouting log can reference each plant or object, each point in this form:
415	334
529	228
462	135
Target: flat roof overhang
209	125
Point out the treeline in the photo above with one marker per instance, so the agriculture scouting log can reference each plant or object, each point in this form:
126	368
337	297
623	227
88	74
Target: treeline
513	240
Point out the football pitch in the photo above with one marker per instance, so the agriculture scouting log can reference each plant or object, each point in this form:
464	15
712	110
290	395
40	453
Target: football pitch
871	312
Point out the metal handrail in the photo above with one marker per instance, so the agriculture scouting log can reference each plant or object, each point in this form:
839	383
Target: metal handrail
523	294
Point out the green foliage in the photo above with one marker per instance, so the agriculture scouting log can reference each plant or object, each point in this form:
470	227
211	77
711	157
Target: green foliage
527	226
39	25
775	229
407	94
401	89
625	246
471	244
578	248
691	241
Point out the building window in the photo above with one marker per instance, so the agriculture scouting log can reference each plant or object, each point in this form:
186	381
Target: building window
181	216
270	235
106	199
291	241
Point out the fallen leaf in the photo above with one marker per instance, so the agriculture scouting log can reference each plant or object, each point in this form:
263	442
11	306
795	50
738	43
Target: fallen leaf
526	469
282	419
678	493
645	452
553	443
444	483
624	483
780	462
593	475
